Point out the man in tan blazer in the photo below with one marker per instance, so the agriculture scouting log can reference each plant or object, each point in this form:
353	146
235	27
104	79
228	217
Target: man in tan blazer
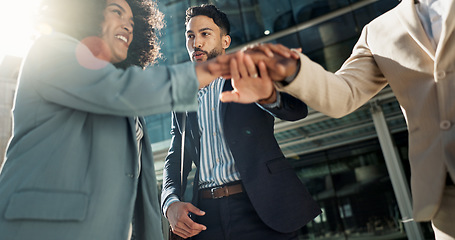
411	48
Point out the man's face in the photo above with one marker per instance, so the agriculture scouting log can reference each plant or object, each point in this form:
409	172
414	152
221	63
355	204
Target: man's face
204	40
117	29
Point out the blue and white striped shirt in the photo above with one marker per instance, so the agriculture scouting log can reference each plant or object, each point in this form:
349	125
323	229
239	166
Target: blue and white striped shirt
217	165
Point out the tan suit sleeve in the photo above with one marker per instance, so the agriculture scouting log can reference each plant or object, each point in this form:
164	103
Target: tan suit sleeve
338	94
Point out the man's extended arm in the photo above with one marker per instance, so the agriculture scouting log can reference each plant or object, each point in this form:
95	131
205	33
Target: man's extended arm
334	94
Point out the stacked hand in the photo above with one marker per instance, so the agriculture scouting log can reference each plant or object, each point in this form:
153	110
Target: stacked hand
252	71
274	63
280	60
254	85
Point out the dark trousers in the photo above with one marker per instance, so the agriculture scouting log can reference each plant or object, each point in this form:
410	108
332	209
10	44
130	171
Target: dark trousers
234	218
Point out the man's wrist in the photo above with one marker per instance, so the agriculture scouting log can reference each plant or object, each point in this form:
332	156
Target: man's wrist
268	100
170	200
275	104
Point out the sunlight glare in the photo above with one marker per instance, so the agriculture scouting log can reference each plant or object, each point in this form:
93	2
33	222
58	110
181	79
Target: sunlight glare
18	18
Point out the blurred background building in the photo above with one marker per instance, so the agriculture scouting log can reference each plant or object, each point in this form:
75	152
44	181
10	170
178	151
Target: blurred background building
356	167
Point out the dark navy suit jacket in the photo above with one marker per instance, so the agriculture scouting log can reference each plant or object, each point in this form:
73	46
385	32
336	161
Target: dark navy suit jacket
277	194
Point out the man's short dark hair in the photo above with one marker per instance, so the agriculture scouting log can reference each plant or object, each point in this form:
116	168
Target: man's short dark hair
219	18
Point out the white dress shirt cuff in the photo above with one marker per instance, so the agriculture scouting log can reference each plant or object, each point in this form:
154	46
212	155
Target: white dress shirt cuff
170	200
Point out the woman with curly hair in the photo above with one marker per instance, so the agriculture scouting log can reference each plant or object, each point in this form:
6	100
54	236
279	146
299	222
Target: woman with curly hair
79	165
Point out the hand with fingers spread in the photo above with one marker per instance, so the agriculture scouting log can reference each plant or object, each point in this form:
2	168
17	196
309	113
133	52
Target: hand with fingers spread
249	84
181	223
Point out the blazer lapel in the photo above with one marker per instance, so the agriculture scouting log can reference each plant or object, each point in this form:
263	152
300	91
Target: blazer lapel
223	106
193	127
408	16
132	124
193	132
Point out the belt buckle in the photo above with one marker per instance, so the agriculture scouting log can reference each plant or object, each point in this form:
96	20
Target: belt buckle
212	191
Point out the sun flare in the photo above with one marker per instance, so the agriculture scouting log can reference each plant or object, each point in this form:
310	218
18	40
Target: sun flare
18	18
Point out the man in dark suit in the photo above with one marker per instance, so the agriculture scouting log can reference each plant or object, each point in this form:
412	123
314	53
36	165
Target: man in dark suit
244	188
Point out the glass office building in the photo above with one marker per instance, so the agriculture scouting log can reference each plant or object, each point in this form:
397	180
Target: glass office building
356	167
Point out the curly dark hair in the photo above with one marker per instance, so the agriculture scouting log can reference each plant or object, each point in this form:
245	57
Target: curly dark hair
209	10
83	18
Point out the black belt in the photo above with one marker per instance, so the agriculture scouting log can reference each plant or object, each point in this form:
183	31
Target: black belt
221	191
449	181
